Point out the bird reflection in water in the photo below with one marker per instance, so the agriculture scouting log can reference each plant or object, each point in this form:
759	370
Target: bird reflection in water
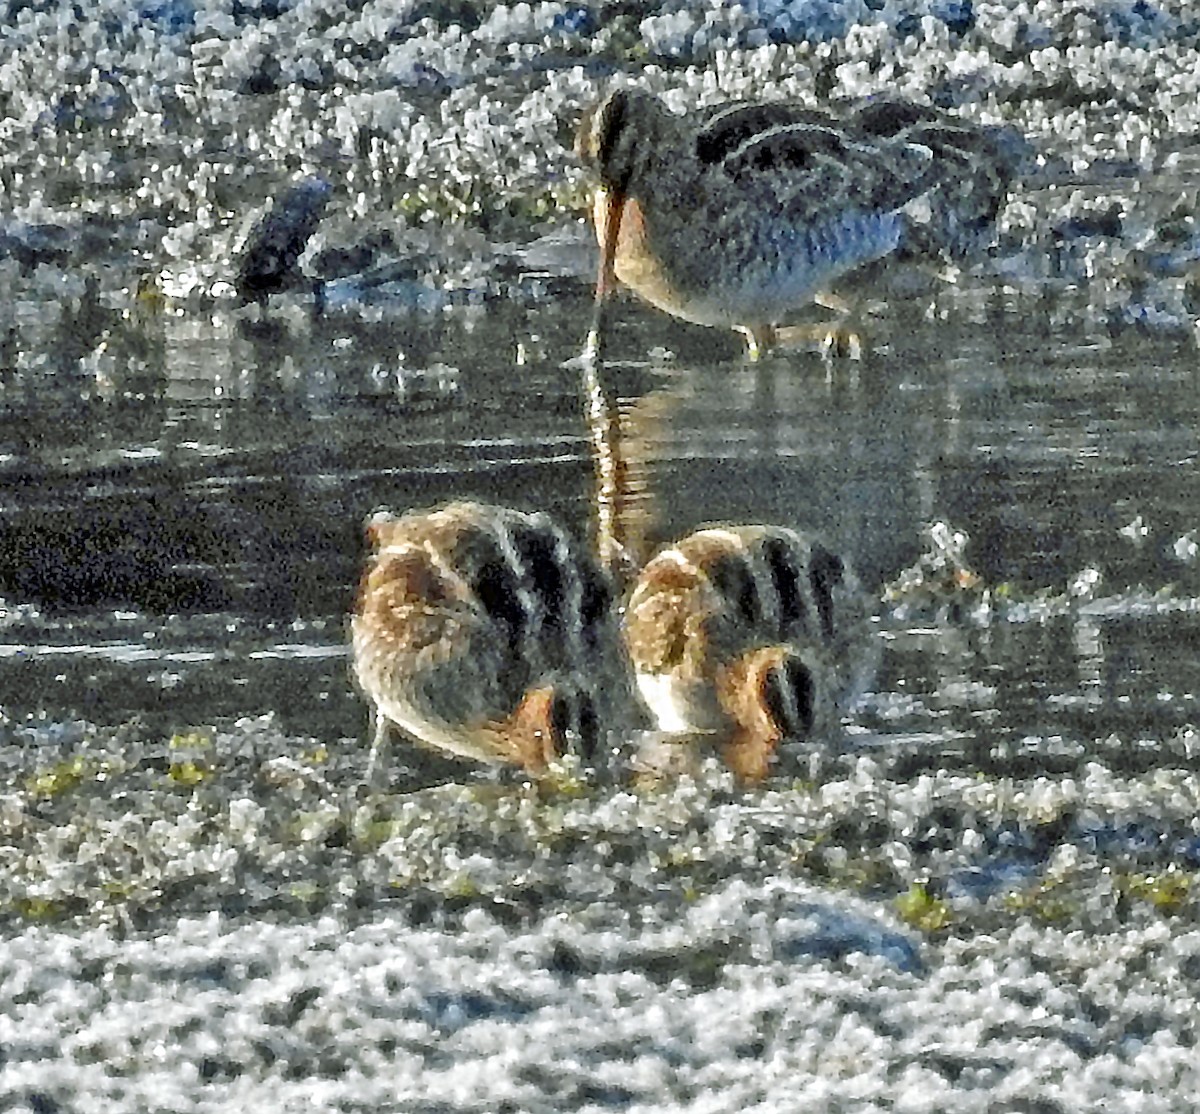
486	633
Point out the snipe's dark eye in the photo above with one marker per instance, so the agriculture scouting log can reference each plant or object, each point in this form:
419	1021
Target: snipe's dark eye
600	132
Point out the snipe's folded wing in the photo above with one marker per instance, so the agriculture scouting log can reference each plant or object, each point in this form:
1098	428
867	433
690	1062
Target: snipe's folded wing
729	127
819	172
972	171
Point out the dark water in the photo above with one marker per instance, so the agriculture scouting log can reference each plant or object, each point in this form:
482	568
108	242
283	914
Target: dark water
180	515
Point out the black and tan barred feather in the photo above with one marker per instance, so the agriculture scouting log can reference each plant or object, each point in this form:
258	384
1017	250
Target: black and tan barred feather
973	171
487	633
751	634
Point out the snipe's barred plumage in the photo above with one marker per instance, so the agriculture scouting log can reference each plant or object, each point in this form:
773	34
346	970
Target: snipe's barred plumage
738	216
974	168
751	634
486	633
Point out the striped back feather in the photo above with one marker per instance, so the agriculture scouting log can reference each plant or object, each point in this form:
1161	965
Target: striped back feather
466	611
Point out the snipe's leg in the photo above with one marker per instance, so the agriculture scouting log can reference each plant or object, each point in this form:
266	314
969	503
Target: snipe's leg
836	339
591	346
833	339
379	751
842	339
760	339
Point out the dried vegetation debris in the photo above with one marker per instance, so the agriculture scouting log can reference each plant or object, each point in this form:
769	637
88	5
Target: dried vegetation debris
569	950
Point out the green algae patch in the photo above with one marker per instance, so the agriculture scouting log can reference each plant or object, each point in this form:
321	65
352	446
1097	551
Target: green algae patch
58	779
191	740
1050	902
40	909
190	761
461	885
922	911
67	775
1167	892
564	779
188	773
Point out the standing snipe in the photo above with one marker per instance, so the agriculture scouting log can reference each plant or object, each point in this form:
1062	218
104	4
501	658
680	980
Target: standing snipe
738	216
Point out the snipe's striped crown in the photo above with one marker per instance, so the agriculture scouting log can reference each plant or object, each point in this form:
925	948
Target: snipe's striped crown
616	135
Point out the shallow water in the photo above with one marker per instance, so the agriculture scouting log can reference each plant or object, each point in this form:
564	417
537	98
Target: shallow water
181	529
982	891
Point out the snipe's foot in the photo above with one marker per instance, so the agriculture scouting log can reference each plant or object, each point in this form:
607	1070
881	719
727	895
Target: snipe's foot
835	340
760	339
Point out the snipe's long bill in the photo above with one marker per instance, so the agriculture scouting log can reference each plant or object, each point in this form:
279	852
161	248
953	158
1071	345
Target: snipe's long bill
738	216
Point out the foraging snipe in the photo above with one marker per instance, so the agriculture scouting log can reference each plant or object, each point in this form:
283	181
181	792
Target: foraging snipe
740	215
485	633
747	634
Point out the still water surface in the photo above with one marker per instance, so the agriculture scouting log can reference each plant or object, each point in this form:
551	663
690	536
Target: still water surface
180	527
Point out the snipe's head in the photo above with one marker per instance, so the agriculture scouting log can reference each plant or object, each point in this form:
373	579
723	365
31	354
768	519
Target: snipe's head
616	141
769	694
616	136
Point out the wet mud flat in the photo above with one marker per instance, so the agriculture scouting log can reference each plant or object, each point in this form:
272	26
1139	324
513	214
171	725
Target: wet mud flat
210	919
199	903
980	895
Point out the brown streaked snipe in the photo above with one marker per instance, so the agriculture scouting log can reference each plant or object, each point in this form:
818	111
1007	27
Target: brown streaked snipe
738	216
747	635
486	633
